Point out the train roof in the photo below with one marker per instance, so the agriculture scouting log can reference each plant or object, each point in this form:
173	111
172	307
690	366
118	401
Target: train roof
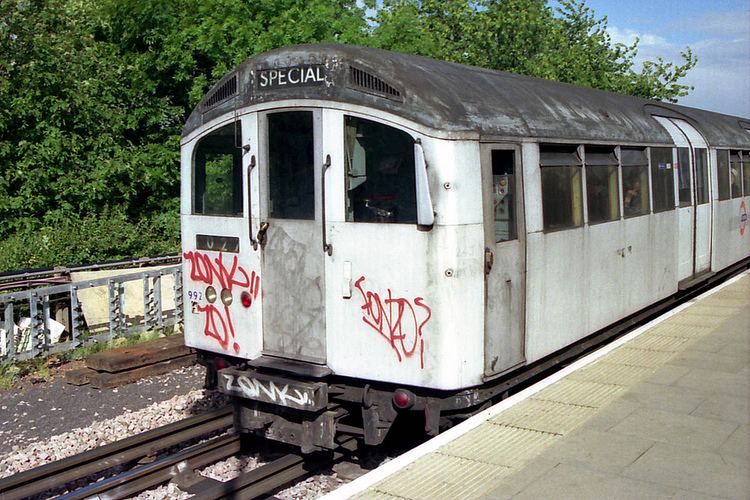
455	98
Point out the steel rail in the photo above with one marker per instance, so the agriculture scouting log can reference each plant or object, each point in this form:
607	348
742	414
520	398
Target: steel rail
147	476
265	479
56	474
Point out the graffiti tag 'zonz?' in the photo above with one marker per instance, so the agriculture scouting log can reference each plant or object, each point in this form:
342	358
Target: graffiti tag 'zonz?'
218	320
265	391
398	320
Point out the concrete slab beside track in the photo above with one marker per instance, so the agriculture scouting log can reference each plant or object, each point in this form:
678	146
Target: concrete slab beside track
662	412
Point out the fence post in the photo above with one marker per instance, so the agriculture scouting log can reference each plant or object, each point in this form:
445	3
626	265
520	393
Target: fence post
10	326
113	309
45	323
157	301
75	314
178	303
147	305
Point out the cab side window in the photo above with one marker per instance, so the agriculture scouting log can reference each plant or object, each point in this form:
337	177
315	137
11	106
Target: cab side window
722	157
735	173
380	177
217	173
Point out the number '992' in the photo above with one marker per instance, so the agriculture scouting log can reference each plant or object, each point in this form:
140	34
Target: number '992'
195	295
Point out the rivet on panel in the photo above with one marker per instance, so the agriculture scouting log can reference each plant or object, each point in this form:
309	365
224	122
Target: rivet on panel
449	273
447	185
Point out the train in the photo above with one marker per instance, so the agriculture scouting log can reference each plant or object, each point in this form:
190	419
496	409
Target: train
371	236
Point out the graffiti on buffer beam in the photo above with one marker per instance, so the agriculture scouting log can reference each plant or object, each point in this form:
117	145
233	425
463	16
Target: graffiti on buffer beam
398	320
214	272
265	391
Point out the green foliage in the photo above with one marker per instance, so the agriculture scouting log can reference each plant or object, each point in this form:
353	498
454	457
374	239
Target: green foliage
93	94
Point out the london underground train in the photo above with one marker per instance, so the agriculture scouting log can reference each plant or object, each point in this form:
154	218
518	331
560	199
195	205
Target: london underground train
368	234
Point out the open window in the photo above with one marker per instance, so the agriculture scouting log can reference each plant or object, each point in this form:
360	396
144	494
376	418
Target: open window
635	184
562	198
217	173
380	173
602	184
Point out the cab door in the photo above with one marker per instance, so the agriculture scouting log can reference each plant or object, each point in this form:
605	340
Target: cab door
505	258
289	233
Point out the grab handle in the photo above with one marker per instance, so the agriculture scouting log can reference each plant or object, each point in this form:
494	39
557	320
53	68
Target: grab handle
327	247
250	168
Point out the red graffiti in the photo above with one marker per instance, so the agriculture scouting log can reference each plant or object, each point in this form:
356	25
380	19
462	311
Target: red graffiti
396	320
203	269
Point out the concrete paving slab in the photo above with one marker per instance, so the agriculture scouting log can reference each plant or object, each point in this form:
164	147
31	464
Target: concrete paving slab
545	416
667	398
712	381
658	342
603	372
644	358
693	470
737	445
731	363
612	414
577	482
601	451
666	375
675	428
532	471
580	392
723	407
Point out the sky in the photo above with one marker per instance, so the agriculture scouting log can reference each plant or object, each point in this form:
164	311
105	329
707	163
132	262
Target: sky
718	32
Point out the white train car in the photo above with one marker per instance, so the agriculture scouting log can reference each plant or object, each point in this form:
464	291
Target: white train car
367	233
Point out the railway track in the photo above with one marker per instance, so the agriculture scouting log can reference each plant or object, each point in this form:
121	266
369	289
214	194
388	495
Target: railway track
143	447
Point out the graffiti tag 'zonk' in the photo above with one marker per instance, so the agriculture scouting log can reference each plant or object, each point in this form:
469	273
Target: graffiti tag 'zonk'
205	270
255	389
397	320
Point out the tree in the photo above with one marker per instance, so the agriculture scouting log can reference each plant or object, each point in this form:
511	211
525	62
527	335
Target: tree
568	44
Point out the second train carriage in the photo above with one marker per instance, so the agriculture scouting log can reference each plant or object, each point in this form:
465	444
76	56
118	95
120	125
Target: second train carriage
367	231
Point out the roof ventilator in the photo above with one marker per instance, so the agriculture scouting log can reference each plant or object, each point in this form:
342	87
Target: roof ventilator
224	92
365	82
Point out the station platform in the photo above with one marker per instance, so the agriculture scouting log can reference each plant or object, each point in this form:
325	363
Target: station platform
664	412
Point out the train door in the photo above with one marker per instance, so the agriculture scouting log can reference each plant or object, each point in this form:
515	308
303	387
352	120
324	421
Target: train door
505	257
694	212
288	233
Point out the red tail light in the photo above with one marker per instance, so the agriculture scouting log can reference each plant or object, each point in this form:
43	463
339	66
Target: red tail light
219	364
246	299
403	399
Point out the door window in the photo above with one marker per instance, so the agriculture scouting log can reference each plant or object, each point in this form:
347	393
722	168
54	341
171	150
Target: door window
701	176
662	179
503	194
683	176
722	157
291	166
217	173
380	176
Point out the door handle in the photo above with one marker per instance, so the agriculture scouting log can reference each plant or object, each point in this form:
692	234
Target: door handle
327	247
262	234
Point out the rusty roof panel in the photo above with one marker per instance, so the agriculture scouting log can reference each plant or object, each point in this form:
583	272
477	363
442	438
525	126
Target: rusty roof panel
457	98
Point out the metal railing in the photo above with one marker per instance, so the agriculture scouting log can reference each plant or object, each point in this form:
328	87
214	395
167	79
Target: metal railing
66	304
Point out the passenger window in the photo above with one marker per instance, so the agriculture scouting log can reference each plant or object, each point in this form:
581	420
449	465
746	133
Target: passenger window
562	199
746	172
602	184
735	169
683	176
503	194
722	157
380	178
217	173
291	165
662	178
634	181
701	176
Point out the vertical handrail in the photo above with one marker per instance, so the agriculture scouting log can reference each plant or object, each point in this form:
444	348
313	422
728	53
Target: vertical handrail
250	168
327	247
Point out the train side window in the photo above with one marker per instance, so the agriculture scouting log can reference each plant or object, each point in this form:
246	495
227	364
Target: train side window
683	176
746	172
735	169
503	194
635	183
701	176
380	176
217	173
562	197
291	167
602	184
662	178
722	157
